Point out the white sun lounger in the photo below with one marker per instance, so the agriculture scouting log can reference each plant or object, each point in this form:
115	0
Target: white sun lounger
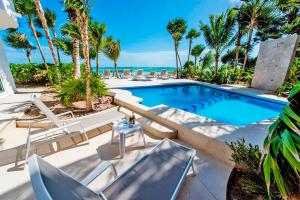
106	74
164	75
71	127
126	74
157	175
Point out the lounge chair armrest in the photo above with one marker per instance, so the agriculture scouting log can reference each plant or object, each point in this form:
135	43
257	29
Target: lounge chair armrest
97	171
47	133
66	113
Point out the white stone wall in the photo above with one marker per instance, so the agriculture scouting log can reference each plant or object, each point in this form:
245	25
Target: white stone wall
5	74
274	60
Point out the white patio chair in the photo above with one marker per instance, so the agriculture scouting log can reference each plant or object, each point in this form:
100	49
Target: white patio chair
70	127
164	75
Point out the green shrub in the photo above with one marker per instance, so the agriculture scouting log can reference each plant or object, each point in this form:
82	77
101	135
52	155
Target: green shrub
36	73
72	90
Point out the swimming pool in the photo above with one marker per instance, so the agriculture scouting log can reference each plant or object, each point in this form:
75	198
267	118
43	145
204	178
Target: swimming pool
222	106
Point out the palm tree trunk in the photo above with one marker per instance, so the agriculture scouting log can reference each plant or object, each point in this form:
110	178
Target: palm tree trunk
76	60
190	46
37	41
238	46
57	49
216	64
97	62
179	59
86	53
45	27
116	71
248	45
28	54
195	61
176	50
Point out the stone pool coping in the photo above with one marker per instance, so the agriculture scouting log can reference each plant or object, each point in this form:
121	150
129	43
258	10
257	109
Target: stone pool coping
202	133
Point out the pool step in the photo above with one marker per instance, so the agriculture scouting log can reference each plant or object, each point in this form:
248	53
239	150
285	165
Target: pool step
155	128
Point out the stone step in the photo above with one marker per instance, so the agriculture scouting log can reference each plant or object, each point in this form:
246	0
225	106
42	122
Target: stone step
151	126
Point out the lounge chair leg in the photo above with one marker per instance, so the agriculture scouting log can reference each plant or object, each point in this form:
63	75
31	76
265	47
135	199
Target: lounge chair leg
193	167
86	137
114	170
112	135
28	148
143	136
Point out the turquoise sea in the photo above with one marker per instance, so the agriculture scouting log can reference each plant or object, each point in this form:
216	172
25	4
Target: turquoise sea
134	69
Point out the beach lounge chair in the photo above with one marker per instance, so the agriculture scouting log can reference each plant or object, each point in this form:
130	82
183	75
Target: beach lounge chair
151	75
173	74
157	175
164	75
126	74
70	127
106	74
139	76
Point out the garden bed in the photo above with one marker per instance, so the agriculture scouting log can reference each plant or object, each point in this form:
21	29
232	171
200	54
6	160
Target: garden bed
78	108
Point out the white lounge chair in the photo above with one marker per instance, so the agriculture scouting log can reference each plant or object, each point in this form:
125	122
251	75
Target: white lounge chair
157	175
164	75
126	74
106	74
70	127
173	74
139	76
151	75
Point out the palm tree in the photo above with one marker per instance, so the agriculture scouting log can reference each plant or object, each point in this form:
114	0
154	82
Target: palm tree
112	49
218	34
196	52
51	20
19	41
82	8
96	32
192	34
176	28
65	44
256	13
45	27
27	9
71	29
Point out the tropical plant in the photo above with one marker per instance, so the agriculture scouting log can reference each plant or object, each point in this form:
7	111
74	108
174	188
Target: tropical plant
41	15
207	60
257	14
196	52
83	9
96	37
72	90
112	50
19	41
177	28
218	34
50	17
72	30
192	34
281	161
27	9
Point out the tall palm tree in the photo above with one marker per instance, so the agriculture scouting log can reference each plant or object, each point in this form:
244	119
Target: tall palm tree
218	34
112	50
82	8
177	28
65	44
196	52
207	60
51	21
27	9
256	13
19	41
41	15
72	30
241	32
96	32
192	34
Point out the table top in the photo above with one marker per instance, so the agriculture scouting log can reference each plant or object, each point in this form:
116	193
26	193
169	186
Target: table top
124	128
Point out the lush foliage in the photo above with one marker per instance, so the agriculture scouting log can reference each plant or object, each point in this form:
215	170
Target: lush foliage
72	90
281	162
37	73
247	159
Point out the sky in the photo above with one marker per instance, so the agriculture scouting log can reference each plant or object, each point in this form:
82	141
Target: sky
139	25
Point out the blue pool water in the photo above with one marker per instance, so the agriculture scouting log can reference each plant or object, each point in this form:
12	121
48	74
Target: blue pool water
222	106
